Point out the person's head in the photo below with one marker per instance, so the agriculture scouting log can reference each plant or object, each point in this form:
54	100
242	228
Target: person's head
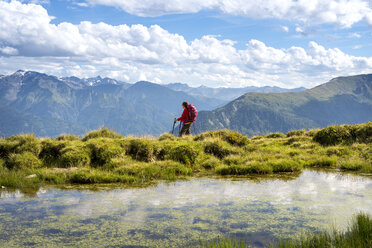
184	104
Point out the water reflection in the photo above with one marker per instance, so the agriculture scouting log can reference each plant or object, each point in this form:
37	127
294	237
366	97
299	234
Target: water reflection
181	213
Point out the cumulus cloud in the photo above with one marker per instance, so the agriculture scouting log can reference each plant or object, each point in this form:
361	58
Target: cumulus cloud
341	12
28	40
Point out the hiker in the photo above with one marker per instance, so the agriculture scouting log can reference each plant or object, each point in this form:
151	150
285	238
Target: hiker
188	116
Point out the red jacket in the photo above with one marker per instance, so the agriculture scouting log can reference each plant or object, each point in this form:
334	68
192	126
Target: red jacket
185	116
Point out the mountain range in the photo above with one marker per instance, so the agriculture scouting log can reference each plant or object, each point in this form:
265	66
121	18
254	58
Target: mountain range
343	100
49	106
227	94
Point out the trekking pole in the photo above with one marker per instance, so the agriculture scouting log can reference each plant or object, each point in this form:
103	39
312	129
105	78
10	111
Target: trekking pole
174	123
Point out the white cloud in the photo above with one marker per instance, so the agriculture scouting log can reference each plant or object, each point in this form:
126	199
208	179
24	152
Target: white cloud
285	29
300	30
8	50
36	1
355	35
357	47
28	40
341	12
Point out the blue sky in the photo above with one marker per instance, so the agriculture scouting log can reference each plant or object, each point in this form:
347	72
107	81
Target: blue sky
216	43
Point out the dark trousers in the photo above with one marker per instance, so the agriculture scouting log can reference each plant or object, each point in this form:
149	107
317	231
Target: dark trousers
185	129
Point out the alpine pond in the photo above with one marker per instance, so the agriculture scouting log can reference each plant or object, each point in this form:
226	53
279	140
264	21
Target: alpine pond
184	213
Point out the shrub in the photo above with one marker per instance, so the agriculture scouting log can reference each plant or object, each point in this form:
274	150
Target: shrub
275	135
20	144
312	132
103	150
141	149
184	153
332	135
211	163
2	163
217	148
102	133
22	161
364	133
68	137
296	133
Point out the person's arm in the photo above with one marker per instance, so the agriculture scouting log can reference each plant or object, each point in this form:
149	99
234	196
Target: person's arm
184	115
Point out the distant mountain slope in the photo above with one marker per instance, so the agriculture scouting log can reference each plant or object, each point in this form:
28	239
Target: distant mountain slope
342	100
48	106
227	94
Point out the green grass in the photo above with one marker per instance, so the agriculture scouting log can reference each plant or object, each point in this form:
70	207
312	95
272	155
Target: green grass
103	156
358	234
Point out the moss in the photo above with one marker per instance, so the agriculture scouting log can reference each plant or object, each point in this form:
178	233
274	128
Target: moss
102	133
22	161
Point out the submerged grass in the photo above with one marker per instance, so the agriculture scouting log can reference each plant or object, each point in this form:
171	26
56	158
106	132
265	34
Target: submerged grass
358	234
104	156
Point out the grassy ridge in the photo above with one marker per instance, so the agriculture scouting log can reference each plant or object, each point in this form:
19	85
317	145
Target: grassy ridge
358	234
103	156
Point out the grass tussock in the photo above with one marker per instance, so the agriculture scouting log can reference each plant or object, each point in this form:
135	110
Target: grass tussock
103	156
358	234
